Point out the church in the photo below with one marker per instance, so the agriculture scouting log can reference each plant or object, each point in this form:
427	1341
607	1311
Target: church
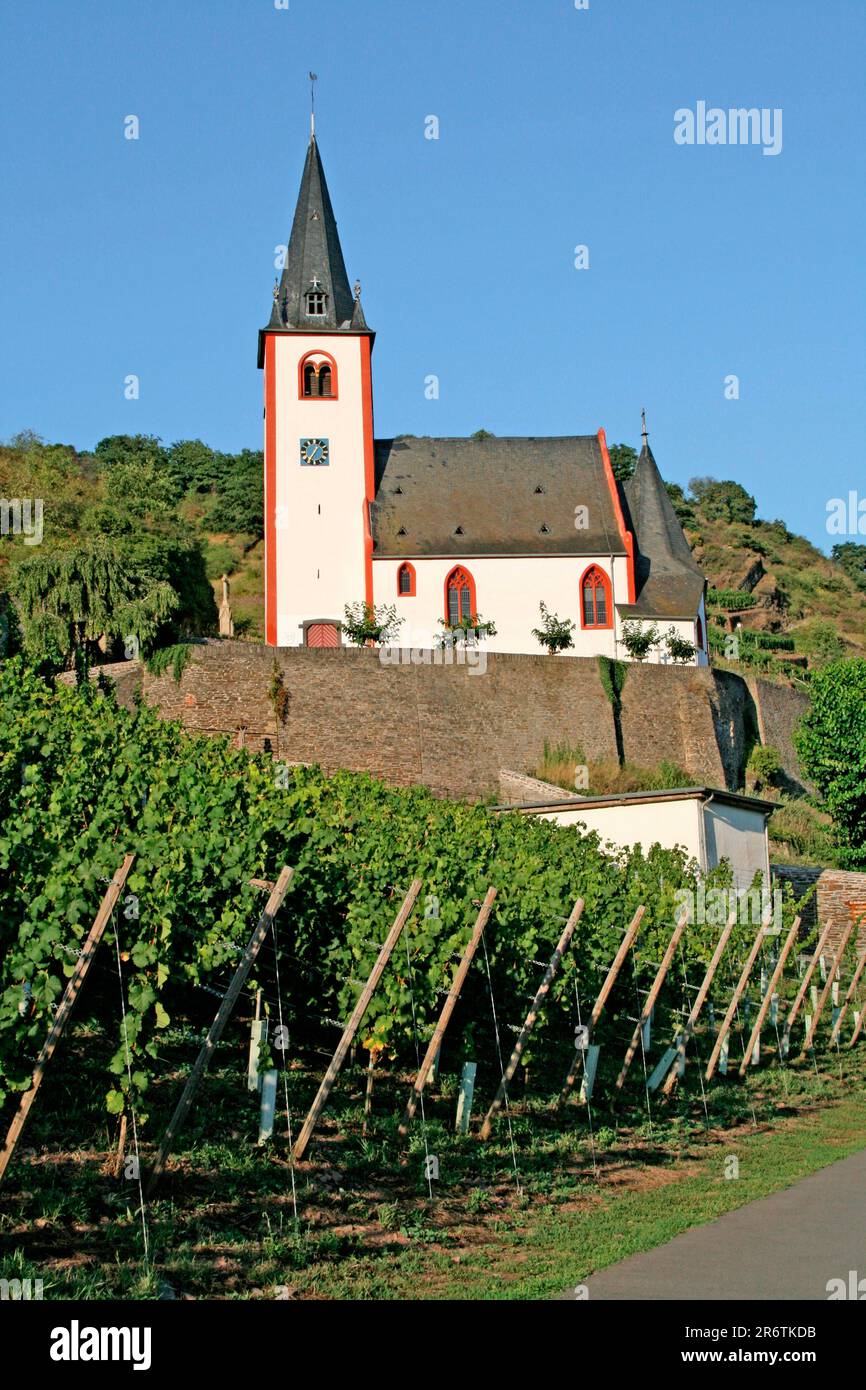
448	531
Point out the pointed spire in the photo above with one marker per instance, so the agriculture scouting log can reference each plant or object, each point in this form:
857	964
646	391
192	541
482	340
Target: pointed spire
669	583
314	288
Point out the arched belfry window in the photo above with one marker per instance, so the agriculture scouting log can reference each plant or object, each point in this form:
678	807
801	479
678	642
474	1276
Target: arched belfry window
595	604
460	603
317	377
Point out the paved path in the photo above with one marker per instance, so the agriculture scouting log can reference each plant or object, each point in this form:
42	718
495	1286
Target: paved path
784	1246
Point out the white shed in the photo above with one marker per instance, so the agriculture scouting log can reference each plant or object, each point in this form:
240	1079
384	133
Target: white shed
709	824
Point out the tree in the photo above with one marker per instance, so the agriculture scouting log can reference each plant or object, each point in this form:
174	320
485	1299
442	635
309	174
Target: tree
852	558
131	448
831	745
684	510
468	632
555	632
639	640
365	624
763	766
820	641
678	648
69	597
623	461
724	501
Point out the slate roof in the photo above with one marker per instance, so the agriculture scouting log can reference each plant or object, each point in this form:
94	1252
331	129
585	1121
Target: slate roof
426	488
315	260
668	583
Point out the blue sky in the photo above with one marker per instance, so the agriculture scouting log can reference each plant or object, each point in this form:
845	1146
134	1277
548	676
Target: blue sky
155	256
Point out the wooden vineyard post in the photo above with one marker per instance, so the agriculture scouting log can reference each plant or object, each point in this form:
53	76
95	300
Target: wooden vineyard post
447	1010
67	1003
650	1001
825	993
529	1022
724	1027
354	1022
768	995
230	998
855	979
598	1008
861	1018
804	985
700	1000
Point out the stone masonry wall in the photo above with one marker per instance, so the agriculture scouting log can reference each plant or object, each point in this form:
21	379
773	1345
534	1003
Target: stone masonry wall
840	898
453	727
778	709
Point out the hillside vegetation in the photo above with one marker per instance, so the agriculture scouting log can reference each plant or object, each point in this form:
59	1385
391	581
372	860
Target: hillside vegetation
135	537
790	607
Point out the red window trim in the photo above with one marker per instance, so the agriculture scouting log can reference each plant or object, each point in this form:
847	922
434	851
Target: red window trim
318	352
410	568
473	602
605	581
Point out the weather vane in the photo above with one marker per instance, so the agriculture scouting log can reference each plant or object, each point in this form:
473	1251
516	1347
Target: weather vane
313	79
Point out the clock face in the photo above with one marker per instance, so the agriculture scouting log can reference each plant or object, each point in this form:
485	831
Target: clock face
315	452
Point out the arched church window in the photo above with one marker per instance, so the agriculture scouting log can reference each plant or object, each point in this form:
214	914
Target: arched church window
460	605
324	380
311	380
406	580
595	605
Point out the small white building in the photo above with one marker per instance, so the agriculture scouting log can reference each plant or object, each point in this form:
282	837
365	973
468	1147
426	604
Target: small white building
709	824
448	531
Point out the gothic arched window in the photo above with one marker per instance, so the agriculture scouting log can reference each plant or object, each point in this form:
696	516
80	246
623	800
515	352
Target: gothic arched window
406	580
595	604
460	605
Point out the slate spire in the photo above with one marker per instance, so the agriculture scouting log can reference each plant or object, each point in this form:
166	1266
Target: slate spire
313	291
668	581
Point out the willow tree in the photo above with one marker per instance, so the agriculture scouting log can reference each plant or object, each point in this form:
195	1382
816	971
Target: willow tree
69	597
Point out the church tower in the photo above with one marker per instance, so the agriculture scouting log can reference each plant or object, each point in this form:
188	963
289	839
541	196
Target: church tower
319	468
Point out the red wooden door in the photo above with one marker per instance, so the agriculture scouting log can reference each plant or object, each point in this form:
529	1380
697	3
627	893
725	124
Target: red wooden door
323	635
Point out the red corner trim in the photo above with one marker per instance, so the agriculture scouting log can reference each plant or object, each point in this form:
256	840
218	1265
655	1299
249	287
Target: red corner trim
627	537
270	490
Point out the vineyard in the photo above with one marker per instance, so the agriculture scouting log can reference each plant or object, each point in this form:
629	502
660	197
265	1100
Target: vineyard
493	1001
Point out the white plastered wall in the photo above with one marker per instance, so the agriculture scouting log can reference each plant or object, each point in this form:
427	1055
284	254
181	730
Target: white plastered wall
319	517
667	823
508	592
739	834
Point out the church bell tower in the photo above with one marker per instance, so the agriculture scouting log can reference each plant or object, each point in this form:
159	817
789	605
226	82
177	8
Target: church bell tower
319	465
